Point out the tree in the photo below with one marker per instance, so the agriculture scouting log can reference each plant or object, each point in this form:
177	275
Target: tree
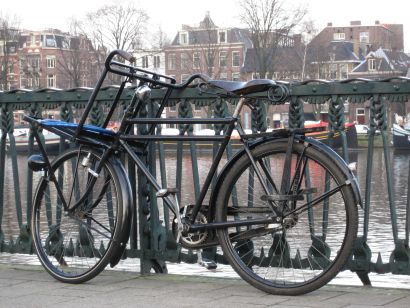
270	23
115	27
76	58
310	31
205	40
9	39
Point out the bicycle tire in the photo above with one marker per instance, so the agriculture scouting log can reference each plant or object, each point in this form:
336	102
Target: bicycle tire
76	247
302	252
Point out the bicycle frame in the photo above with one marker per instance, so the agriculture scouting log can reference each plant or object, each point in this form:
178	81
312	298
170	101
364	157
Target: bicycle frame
123	139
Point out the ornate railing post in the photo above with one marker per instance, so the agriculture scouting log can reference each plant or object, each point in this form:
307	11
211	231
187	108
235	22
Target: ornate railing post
152	234
337	122
296	116
6	120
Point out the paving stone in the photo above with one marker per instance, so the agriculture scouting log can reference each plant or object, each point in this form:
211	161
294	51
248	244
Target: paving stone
32	287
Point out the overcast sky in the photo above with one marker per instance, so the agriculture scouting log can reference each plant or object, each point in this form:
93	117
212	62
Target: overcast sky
41	14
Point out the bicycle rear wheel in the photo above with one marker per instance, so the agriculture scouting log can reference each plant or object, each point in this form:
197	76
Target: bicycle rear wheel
75	246
298	251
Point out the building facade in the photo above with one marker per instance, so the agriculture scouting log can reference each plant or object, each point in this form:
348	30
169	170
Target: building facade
49	59
207	49
151	59
336	51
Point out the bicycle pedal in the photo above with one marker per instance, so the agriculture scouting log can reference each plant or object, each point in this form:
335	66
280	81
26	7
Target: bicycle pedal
208	264
162	193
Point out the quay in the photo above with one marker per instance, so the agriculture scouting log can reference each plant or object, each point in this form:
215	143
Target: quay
31	286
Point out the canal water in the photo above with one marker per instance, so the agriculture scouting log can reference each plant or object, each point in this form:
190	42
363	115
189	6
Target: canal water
380	238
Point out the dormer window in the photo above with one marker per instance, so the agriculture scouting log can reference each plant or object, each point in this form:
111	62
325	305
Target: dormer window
372	64
183	38
222	36
339	36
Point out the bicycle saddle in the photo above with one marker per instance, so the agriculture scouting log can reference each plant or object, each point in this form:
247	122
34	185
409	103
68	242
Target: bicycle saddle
243	87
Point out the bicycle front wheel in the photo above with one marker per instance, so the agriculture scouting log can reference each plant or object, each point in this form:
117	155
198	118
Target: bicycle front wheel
74	246
308	240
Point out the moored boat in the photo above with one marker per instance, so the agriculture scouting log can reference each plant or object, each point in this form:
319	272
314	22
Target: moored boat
21	137
401	132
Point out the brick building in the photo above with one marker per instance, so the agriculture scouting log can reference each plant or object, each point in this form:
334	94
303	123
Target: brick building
336	51
207	49
228	54
49	59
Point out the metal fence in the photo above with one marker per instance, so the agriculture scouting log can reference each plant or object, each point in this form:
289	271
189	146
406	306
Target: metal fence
151	237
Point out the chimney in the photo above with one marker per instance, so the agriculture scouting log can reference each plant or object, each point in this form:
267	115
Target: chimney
377	22
329	24
355	23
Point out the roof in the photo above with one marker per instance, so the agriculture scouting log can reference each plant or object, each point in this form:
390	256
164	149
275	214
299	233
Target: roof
210	36
386	61
207	33
335	51
279	59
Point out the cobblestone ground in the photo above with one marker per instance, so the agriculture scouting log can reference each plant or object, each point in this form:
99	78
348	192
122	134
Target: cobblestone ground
31	286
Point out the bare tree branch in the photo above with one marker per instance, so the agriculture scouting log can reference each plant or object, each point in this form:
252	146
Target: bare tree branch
270	24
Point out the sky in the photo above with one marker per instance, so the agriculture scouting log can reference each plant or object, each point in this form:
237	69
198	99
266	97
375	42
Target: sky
43	14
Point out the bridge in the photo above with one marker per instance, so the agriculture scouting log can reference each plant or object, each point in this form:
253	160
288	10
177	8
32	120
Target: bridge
151	237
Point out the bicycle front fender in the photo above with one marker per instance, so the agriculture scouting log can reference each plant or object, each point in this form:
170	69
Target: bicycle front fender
122	231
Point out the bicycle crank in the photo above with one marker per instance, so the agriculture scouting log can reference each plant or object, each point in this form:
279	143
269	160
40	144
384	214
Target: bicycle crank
190	239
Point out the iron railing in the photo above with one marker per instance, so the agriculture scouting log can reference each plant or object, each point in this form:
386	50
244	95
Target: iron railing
151	237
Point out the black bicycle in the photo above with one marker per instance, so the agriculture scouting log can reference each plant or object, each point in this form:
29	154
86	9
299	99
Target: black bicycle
283	209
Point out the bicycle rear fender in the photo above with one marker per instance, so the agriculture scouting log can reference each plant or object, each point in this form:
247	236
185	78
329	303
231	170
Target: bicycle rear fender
312	142
341	164
122	230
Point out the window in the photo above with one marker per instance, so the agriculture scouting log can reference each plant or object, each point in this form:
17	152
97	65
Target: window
210	59
236	60
223	55
364	37
343	71
11	68
32	40
196	60
50	41
360	115
51	61
183	38
333	71
223	76
34	62
236	77
339	36
51	81
145	62
372	64
222	36
184	61
157	61
172	65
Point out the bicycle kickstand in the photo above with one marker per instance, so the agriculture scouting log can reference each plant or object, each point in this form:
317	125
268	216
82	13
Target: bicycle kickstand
208	264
